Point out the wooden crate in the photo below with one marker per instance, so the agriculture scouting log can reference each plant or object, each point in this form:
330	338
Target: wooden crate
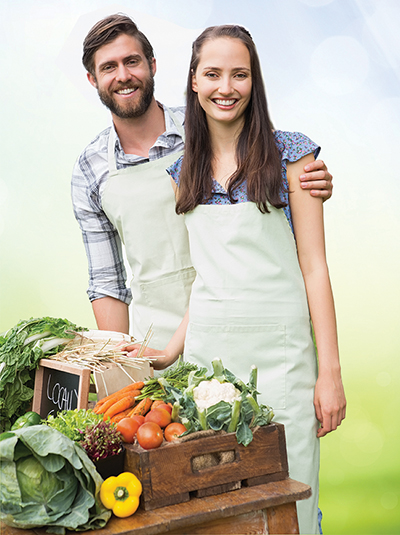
176	472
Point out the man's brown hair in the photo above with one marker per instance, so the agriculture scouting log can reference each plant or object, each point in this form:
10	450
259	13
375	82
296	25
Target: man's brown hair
107	30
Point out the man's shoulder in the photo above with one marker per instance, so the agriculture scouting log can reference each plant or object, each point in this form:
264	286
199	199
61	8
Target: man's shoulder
178	111
98	145
92	161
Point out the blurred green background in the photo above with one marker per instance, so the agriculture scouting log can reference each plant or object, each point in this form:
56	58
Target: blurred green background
331	69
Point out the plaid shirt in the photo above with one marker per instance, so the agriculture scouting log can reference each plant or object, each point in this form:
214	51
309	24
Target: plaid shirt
107	274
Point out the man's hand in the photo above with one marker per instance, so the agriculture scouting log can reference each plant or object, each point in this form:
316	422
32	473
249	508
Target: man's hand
317	179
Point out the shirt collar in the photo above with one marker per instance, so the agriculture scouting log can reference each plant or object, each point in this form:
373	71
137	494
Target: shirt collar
166	139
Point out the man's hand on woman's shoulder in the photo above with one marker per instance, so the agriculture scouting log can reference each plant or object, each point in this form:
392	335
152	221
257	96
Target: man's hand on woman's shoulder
317	179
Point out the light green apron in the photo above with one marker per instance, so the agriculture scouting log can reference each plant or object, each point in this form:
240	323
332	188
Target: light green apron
140	203
249	306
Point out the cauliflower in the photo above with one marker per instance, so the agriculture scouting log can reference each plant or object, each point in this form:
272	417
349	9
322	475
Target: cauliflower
209	393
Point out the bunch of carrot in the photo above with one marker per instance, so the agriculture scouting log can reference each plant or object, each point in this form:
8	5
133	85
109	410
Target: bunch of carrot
123	404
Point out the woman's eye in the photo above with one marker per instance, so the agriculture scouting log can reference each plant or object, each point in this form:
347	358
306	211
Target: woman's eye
211	75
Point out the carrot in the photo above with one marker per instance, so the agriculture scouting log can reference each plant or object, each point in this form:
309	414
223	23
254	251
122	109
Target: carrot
157	403
133	386
142	407
104	406
120	405
123	414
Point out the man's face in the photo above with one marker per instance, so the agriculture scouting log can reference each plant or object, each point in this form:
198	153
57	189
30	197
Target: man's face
123	77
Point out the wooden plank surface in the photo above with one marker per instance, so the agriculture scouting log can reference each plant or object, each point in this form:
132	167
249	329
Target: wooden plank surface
180	517
254	523
282	519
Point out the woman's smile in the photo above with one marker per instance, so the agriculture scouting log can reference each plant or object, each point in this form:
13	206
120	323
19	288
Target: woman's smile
223	81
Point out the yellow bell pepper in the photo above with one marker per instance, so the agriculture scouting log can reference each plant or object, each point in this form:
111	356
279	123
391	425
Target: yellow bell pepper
121	494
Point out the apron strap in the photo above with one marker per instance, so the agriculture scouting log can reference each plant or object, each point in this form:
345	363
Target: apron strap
112	164
176	123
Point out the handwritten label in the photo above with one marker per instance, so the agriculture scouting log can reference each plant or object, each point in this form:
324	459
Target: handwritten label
59	387
61	396
60	392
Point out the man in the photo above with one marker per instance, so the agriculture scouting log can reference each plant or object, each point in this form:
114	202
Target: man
122	194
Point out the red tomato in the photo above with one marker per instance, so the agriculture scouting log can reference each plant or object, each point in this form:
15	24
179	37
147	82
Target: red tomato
158	416
150	435
138	418
166	407
174	431
128	428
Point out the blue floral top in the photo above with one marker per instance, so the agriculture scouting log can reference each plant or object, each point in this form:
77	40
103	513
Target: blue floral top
292	146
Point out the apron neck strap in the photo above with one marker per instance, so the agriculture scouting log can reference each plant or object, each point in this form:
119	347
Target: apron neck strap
112	164
176	123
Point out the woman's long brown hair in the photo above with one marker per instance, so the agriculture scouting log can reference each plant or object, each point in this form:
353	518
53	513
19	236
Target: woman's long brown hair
258	158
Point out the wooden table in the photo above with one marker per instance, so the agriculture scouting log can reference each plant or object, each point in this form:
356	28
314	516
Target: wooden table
266	508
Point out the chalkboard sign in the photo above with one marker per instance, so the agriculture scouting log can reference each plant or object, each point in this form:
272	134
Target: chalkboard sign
60	386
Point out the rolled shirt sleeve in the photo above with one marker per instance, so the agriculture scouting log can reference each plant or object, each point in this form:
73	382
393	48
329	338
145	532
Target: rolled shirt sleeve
107	274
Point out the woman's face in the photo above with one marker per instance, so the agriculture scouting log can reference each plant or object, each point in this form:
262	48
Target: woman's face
222	80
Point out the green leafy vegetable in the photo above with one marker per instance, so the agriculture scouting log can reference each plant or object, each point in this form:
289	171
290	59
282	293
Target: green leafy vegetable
74	422
176	376
98	438
238	414
47	480
21	348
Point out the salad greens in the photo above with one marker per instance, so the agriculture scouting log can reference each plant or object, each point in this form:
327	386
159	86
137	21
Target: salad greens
47	480
21	348
240	416
98	438
177	376
73	423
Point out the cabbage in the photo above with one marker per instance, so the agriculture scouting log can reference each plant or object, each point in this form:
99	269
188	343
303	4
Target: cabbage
47	480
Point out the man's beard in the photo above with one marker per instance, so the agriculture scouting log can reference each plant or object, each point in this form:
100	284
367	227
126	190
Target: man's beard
132	110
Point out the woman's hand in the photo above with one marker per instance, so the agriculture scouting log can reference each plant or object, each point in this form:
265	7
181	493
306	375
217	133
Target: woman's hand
329	402
317	179
159	359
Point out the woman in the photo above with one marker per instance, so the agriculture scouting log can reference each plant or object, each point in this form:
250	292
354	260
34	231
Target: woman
256	286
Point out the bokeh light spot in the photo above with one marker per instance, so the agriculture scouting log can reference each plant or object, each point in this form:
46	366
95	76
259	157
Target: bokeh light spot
389	500
383	379
361	443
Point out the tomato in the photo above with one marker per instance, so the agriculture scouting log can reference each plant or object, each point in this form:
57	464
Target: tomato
174	431
128	428
150	435
139	419
158	416
166	407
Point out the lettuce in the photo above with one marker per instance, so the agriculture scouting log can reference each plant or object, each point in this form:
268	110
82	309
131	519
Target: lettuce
47	480
21	349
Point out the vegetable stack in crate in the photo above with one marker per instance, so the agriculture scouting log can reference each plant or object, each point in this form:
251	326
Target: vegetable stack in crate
229	440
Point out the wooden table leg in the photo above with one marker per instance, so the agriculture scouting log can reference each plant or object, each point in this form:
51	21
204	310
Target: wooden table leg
282	518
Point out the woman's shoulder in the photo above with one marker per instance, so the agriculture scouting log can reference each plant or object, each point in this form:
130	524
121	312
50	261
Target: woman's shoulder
174	170
295	145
